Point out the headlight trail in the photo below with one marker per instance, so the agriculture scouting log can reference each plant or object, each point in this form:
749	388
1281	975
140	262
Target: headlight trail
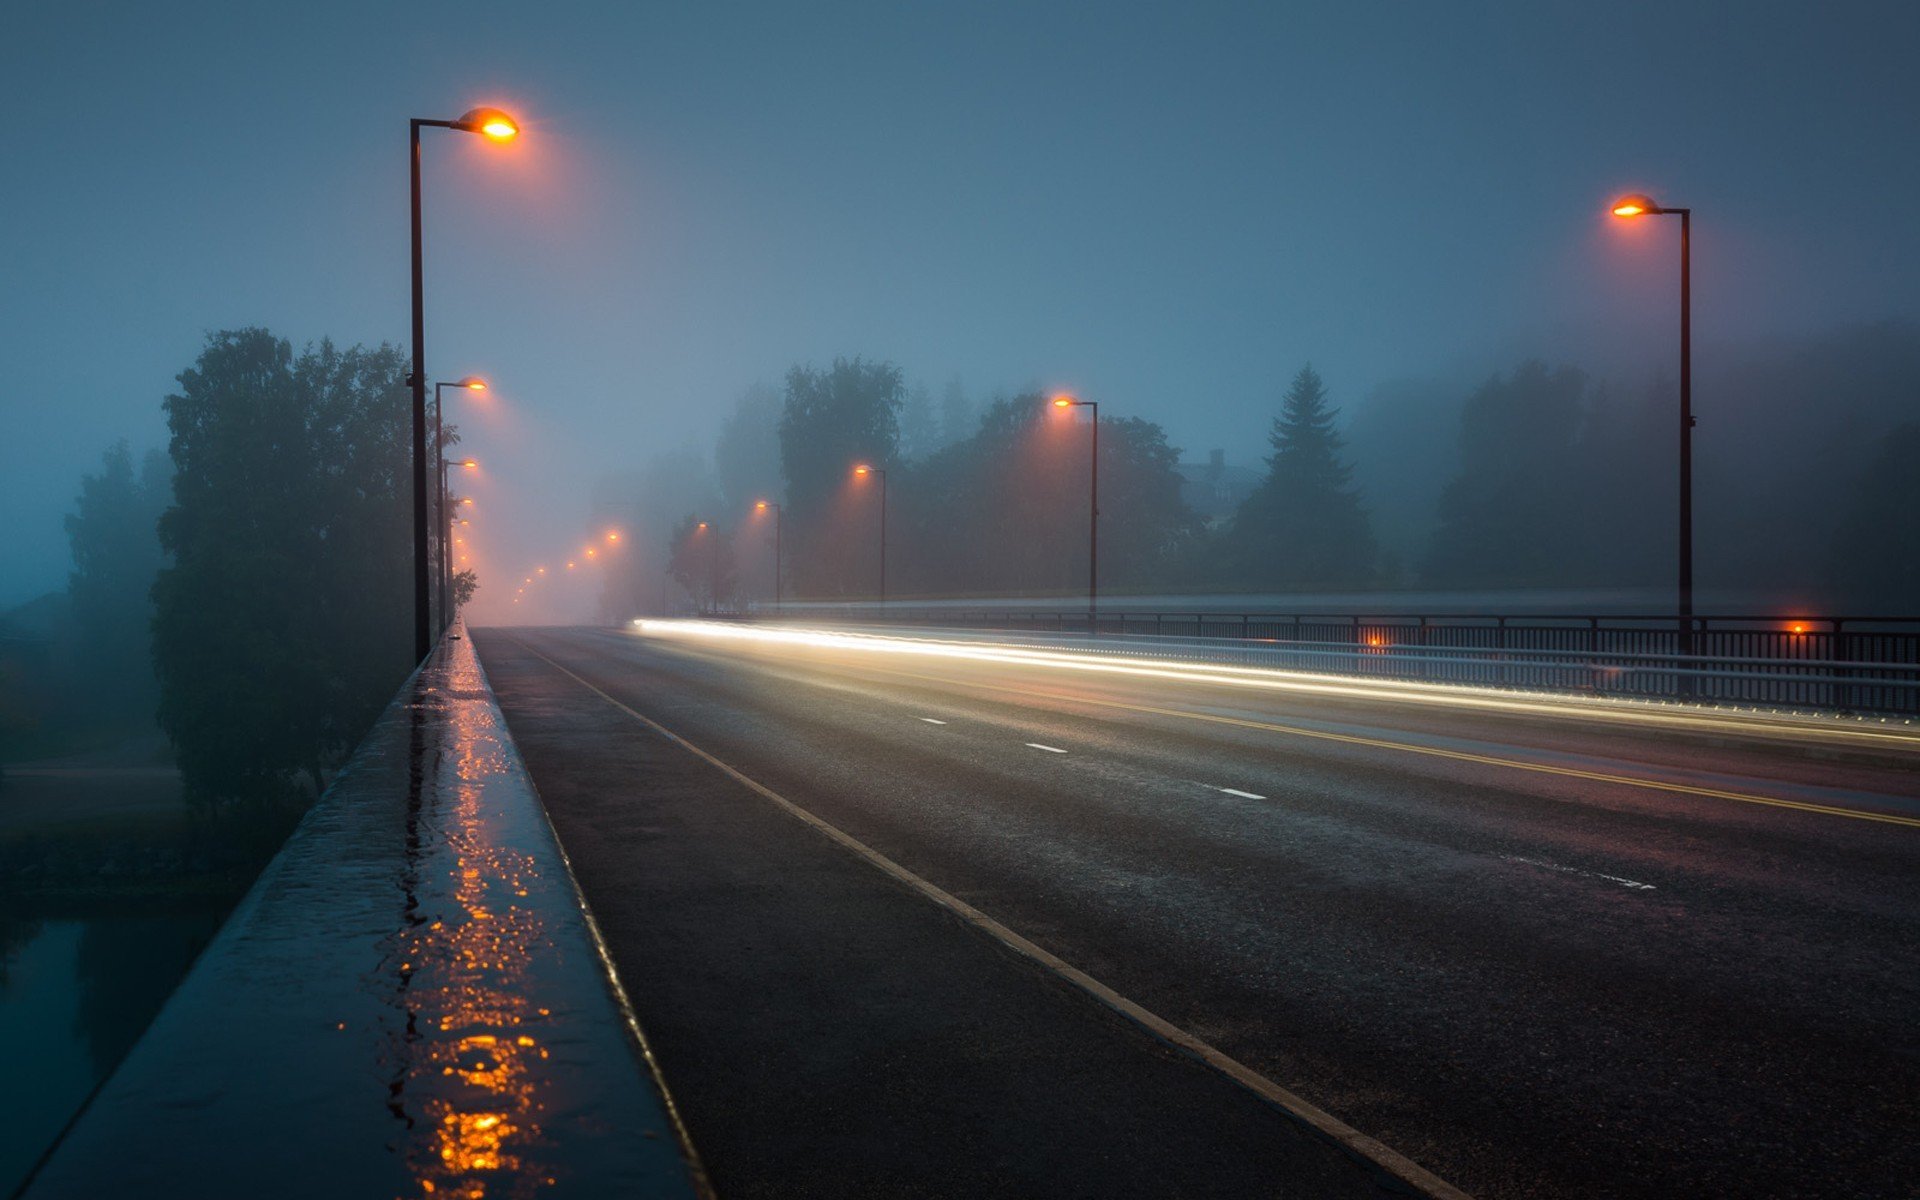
1797	727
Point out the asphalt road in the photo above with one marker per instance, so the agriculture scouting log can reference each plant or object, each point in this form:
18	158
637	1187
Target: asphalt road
1537	954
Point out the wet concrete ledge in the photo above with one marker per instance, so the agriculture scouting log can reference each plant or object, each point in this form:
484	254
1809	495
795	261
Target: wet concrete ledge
410	1002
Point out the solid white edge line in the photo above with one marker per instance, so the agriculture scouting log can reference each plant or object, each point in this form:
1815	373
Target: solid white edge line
1346	1136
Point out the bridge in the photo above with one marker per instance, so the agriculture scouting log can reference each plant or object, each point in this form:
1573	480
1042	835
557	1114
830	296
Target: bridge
788	908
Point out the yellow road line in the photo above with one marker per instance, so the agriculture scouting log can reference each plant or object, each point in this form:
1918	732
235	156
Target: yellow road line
1425	1182
1434	751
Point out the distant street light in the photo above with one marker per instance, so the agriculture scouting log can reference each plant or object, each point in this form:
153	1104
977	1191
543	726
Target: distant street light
1064	401
863	470
1644	206
446	515
471	383
497	126
763	506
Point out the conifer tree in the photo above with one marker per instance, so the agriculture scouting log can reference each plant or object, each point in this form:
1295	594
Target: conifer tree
1304	526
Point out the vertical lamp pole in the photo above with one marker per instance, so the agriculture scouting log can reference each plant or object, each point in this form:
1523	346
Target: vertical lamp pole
1064	401
1642	206
494	124
863	470
763	506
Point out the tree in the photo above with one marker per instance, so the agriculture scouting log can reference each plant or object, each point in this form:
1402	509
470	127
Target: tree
465	585
283	624
702	562
1005	510
1510	517
116	554
919	426
958	416
746	455
1304	527
1875	554
831	420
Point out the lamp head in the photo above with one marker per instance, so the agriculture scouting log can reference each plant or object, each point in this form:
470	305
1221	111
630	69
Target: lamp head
490	123
1636	205
1063	400
473	383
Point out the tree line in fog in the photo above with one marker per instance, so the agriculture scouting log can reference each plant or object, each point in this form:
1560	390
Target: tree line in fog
249	588
1539	476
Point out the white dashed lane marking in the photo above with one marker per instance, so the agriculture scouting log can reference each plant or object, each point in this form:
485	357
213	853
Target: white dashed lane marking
1241	794
1048	749
931	721
1632	884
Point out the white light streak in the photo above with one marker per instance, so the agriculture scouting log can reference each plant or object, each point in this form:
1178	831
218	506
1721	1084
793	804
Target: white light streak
1592	708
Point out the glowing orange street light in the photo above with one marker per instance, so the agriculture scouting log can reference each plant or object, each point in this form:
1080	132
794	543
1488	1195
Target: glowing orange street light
863	471
539	570
489	122
703	525
1630	207
591	552
613	535
496	126
1066	400
570	566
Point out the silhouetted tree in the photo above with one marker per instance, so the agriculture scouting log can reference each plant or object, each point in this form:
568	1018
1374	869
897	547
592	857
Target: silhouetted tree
1511	516
1005	510
958	416
702	562
284	622
465	585
1875	556
746	455
1303	527
116	554
919	425
833	419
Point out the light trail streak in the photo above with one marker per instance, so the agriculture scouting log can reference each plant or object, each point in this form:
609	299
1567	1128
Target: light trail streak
1809	728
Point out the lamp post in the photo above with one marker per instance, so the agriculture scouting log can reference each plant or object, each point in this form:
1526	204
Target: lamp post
863	470
498	126
713	569
472	383
446	518
1065	401
1628	207
763	506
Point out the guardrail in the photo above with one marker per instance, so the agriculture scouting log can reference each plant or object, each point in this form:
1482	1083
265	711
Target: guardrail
1843	664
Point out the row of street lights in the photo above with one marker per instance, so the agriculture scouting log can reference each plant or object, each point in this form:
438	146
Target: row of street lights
498	126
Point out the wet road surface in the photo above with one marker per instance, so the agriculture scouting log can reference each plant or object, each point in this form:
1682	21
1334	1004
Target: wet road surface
1502	944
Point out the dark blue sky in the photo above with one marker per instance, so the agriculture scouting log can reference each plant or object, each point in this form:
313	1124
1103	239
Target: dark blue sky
1167	206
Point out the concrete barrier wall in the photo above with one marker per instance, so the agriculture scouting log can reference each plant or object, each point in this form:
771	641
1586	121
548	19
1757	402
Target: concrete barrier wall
411	1001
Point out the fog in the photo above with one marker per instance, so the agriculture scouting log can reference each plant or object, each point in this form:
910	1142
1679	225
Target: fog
1169	210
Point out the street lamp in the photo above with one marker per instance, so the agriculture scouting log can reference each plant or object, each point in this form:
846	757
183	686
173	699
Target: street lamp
472	383
763	506
1628	207
446	516
496	126
1064	401
863	470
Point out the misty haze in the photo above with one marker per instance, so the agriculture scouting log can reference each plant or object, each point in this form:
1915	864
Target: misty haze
960	600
